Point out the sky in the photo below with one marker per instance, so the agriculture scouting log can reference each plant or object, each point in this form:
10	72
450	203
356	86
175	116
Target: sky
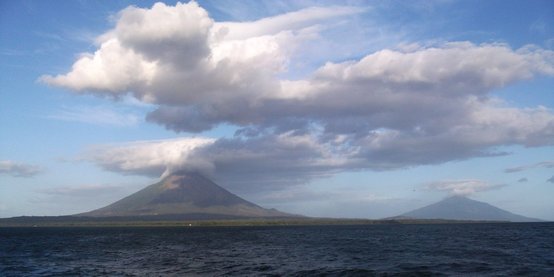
361	109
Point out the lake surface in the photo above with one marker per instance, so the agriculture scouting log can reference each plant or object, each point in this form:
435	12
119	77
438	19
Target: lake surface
441	249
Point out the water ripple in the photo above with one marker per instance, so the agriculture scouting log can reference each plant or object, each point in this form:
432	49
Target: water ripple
378	250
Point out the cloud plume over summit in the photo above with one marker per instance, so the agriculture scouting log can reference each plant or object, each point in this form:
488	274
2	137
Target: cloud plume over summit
389	109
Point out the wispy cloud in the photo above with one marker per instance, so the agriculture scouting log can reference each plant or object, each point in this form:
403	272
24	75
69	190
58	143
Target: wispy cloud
97	115
12	52
50	36
462	187
82	197
539	26
81	191
17	169
551	180
301	195
522	180
545	164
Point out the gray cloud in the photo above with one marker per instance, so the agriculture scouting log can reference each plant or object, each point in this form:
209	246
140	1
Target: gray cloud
391	109
376	92
523	180
551	180
545	164
17	169
266	162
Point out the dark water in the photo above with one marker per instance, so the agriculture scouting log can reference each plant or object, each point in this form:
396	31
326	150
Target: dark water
413	250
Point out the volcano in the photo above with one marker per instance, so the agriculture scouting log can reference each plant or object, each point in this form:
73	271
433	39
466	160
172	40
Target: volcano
463	208
185	195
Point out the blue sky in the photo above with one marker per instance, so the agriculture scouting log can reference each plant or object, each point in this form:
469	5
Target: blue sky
349	108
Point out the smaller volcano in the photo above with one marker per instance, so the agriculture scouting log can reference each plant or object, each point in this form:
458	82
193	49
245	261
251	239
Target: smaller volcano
463	208
182	194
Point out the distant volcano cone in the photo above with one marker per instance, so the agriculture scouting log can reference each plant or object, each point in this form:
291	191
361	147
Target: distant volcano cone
185	194
463	208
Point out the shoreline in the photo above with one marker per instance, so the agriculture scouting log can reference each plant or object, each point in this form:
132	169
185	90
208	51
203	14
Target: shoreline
111	222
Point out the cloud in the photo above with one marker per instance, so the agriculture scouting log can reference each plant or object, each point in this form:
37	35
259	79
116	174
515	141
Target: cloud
551	180
523	180
302	195
266	162
16	169
462	187
153	158
154	52
539	26
545	164
97	115
295	20
390	109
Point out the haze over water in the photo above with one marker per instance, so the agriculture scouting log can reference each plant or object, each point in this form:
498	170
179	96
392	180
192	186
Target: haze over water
505	249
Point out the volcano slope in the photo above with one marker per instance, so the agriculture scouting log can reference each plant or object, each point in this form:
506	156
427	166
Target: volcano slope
185	196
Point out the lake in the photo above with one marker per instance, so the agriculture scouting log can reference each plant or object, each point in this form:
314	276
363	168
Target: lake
362	250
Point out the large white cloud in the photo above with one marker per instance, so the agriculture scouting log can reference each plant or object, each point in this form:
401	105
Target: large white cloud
430	89
178	54
390	109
